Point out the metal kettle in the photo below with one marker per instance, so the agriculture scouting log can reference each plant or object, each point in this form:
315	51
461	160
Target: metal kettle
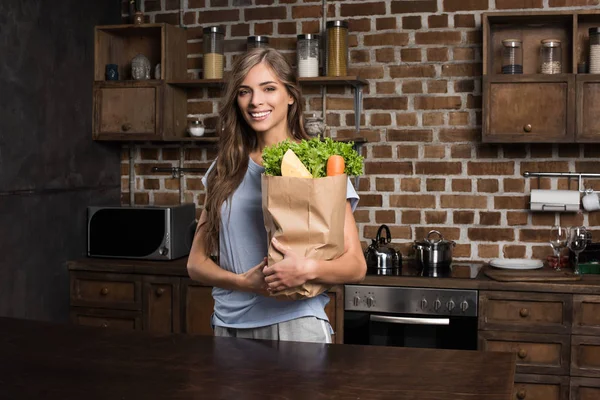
380	256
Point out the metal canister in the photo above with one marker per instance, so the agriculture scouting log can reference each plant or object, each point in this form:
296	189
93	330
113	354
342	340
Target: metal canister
337	48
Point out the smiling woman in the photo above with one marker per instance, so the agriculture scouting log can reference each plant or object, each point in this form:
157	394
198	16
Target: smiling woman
262	106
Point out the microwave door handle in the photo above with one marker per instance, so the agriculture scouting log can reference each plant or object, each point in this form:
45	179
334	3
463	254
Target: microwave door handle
410	320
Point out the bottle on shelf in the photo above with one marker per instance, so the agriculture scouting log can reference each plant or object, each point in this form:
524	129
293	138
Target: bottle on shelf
512	56
213	57
307	55
551	57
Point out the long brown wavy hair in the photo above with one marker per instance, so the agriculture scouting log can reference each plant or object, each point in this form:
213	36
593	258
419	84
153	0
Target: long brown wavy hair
238	139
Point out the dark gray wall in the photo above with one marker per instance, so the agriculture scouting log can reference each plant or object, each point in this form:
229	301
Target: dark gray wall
50	169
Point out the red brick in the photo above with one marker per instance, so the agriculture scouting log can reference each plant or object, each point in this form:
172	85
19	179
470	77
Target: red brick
438	21
411	135
464	69
516	218
436	217
265	28
438	168
459	135
286	28
385	103
573	3
361	8
418	201
410	55
490	218
488	251
385	55
461	151
412	87
437	102
412	22
388	168
463	201
466	85
152	5
437	54
406	119
515	185
385	217
414	6
412	71
511	202
407	151
170	18
385	184
490	234
434	151
382	24
261	13
410	185
491	168
437	37
299	12
463	217
449	233
437	86
218	3
464	21
209	17
465	5
458	118
385	87
411	217
514	251
359	25
433	119
382	151
487	185
381	119
240	30
462	185
544	166
511	4
435	185
311	27
387	39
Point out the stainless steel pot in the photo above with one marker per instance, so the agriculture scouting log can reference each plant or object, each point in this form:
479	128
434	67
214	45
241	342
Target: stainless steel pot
434	253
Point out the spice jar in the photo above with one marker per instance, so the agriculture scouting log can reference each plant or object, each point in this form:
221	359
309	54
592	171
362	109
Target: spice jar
257	42
307	55
213	52
512	56
337	48
594	50
551	57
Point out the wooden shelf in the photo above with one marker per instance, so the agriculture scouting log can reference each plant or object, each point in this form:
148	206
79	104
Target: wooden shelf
212	139
198	83
320	80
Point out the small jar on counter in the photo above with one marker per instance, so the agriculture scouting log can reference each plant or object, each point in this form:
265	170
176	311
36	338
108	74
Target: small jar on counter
213	57
307	55
254	42
337	48
512	56
551	56
594	50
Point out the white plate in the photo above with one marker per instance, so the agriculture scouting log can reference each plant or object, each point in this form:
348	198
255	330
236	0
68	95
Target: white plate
516	263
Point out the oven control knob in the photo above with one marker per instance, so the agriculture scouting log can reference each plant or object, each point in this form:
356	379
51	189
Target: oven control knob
370	301
163	251
424	303
356	301
437	304
464	306
450	305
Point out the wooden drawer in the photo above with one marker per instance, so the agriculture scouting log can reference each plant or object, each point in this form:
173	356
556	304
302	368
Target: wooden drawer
117	319
586	315
126	110
585	389
117	291
541	387
198	307
585	356
161	305
525	312
536	354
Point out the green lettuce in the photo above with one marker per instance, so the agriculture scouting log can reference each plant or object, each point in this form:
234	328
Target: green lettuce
314	154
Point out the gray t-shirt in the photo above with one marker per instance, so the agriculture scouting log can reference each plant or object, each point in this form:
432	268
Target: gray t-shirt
243	245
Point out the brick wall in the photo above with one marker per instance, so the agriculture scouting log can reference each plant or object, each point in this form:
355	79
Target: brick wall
426	167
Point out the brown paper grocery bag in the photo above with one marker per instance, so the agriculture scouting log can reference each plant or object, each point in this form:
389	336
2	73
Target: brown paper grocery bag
308	216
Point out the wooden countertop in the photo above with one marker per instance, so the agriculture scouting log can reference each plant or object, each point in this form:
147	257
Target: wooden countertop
589	284
52	361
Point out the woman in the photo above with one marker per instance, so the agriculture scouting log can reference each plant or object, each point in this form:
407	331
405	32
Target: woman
262	106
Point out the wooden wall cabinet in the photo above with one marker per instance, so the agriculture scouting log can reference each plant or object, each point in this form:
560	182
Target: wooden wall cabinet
534	107
129	109
555	337
155	298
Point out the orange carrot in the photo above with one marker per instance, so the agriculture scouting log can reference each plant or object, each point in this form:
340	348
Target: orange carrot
335	165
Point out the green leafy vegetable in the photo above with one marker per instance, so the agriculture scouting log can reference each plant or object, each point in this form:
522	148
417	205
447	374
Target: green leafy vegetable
314	154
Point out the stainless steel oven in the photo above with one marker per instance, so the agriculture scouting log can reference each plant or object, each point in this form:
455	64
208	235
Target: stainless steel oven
410	317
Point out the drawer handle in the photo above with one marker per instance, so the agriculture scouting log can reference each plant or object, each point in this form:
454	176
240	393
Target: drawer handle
160	292
105	324
523	312
104	291
527	128
521	394
522	353
126	127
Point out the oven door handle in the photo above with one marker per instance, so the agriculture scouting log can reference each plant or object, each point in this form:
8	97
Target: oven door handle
410	320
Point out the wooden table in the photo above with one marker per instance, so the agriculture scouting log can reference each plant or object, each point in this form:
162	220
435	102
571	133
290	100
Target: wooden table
49	361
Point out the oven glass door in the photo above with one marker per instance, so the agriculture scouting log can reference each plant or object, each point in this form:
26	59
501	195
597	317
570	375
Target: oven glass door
410	330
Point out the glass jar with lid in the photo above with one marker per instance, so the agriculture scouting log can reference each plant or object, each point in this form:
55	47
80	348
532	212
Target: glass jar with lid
254	42
594	50
213	58
551	57
512	56
337	48
307	55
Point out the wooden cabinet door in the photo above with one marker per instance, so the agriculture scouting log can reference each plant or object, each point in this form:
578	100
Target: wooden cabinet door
585	389
588	98
127	111
585	356
525	312
198	306
105	290
335	313
586	315
528	108
541	387
161	306
116	319
536	353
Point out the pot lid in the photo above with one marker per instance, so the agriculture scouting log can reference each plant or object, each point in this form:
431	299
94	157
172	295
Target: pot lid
435	242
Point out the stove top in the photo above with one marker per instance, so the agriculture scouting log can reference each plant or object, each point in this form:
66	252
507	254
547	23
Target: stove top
460	270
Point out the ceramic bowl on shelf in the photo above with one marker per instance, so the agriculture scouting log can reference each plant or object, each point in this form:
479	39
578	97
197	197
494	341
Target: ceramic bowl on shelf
195	128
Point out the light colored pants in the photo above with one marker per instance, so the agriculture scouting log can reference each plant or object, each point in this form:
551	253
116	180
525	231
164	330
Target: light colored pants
305	329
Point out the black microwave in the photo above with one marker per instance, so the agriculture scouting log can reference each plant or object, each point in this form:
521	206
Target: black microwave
141	232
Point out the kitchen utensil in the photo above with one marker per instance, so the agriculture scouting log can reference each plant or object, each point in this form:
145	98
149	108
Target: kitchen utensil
434	253
516	263
380	255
